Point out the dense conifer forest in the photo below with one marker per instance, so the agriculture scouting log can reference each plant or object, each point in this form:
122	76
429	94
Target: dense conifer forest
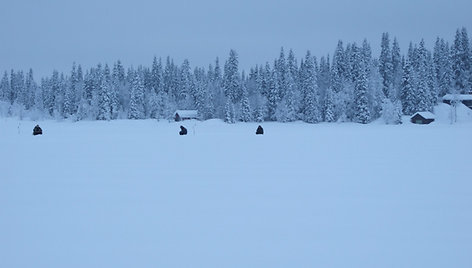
350	86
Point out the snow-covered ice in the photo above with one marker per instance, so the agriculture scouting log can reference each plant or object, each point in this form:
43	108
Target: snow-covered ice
136	194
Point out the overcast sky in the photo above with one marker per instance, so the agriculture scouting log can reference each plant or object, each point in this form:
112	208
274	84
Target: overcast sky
48	35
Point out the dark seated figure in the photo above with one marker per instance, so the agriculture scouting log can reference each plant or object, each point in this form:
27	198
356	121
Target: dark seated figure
259	130
183	131
37	130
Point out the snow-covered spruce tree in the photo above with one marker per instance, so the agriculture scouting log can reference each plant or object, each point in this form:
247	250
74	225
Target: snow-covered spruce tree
185	88
114	92
461	65
386	65
17	84
272	96
391	112
338	81
48	100
136	106
280	67
169	78
442	67
309	88
5	88
397	70
323	79
287	109
328	108
408	91
71	93
52	92
361	105
374	93
104	96
232	87
423	91
30	89
230	116
156	88
246	113
216	91
231	77
432	82
156	75
38	103
199	92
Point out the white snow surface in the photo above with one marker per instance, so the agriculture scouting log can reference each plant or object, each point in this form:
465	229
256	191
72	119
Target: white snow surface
136	194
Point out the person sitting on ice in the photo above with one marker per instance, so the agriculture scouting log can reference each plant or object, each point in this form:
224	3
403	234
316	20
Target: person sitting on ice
259	130
37	130
183	130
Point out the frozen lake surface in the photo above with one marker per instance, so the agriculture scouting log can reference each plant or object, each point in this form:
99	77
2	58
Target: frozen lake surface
136	194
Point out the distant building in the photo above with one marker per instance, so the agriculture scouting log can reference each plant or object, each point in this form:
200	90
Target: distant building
422	118
466	99
180	115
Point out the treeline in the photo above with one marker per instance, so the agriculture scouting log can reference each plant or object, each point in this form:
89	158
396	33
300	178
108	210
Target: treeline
353	86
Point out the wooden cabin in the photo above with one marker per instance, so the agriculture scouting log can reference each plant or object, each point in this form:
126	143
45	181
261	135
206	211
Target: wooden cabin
181	115
466	99
422	118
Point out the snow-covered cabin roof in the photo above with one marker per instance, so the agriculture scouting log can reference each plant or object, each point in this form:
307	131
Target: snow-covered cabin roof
187	113
460	97
425	115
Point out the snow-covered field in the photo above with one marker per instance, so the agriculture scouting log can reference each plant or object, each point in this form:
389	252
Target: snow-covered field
136	194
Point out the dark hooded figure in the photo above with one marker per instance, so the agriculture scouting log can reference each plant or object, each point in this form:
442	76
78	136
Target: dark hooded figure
37	130
259	130
183	131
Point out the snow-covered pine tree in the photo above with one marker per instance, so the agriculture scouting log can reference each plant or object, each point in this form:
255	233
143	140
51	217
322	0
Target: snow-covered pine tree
156	75
231	77
442	66
185	88
136	106
272	95
281	69
230	116
232	87
114	85
216	92
423	92
461	61
287	107
397	71
246	113
432	82
391	112
18	92
328	108
339	81
199	92
361	105
467	47
5	88
408	92
38	104
30	87
386	65
309	89
47	95
52	89
104	96
71	93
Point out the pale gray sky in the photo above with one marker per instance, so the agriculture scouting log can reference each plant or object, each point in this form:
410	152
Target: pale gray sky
48	35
